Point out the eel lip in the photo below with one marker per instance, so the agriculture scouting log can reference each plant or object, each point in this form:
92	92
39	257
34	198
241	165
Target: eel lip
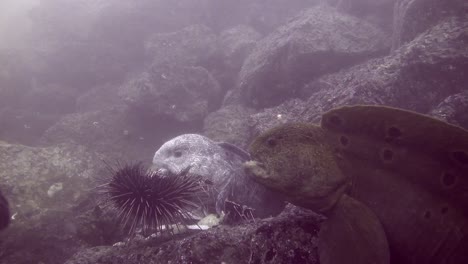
256	169
254	163
155	170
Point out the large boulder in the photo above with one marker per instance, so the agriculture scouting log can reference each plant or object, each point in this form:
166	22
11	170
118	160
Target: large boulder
54	236
15	77
49	99
44	186
100	97
116	133
290	111
289	238
23	126
235	44
37	179
453	109
128	122
229	124
316	42
378	12
418	76
191	46
28	108
180	93
263	16
413	17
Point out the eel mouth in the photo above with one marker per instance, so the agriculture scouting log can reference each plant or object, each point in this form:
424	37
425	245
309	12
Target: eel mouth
164	170
154	170
256	169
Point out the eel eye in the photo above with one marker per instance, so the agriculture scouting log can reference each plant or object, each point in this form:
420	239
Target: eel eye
271	142
178	154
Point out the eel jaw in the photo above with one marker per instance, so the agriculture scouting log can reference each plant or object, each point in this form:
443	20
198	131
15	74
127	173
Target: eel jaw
156	170
256	169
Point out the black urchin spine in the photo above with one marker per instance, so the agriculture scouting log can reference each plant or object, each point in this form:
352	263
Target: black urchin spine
152	201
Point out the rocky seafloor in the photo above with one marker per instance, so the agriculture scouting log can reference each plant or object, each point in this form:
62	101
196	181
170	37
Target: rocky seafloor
104	81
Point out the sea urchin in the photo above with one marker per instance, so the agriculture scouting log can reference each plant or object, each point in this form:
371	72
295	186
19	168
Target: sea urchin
149	200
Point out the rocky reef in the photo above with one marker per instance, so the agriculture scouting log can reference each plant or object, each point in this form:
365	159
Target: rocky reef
94	82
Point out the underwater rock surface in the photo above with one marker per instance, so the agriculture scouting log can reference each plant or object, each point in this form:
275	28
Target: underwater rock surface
229	124
100	97
235	44
183	94
287	238
413	17
404	79
453	109
190	46
115	79
42	186
116	133
304	49
373	11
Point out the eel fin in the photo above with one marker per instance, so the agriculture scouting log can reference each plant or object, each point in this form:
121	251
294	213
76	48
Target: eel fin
428	152
352	234
411	170
244	155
